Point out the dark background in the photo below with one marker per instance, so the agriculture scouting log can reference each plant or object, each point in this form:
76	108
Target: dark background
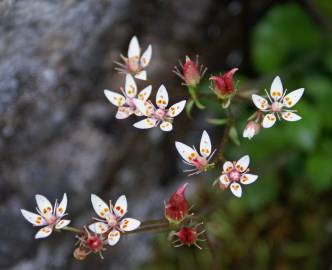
58	132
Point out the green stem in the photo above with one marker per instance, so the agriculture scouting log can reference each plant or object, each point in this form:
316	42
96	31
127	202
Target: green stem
163	227
72	229
154	221
193	94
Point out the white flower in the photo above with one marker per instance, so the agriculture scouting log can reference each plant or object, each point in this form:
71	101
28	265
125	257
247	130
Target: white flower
48	216
111	219
251	129
125	102
159	115
235	173
135	63
193	158
279	102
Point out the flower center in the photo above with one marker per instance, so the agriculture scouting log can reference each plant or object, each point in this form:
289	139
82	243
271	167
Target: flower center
276	107
50	219
131	103
200	163
112	220
160	114
133	64
234	175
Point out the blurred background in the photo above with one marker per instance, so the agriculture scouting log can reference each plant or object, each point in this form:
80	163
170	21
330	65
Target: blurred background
58	132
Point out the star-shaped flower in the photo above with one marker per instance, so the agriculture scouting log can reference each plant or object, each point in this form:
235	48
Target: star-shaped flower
134	63
47	216
160	115
125	102
193	158
280	102
235	173
111	221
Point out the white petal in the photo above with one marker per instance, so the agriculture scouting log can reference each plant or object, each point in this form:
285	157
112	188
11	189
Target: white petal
62	223
141	75
145	93
205	145
146	123
269	120
224	180
166	126
134	49
100	207
146	57
44	232
99	227
228	167
248	178
44	205
61	209
115	98
113	237
289	116
123	113
33	218
176	109
242	164
186	152
162	97
129	224
260	102
130	86
249	133
120	207
236	189
292	98
276	89
145	107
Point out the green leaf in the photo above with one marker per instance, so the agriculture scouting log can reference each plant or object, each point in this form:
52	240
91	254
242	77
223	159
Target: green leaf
285	35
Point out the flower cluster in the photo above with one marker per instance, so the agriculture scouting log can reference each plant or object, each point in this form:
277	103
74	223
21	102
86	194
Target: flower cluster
132	103
111	223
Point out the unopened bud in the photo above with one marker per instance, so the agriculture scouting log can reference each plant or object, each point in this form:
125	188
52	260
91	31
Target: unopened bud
177	206
80	254
223	84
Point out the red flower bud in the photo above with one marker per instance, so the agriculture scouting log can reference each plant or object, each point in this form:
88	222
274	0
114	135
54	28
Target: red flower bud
223	84
187	236
95	243
177	206
192	72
